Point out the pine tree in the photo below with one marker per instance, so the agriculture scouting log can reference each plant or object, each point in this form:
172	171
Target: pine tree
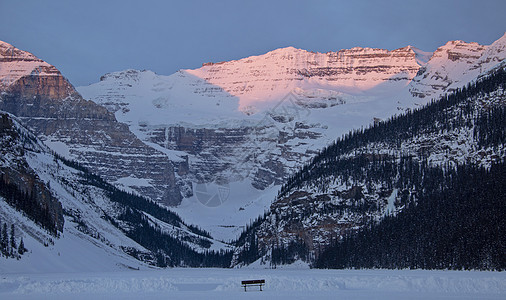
13	238
21	248
5	240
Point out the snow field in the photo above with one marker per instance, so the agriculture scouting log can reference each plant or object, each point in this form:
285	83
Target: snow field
280	284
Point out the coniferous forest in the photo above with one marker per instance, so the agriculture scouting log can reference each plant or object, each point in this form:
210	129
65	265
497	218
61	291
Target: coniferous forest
456	219
28	204
458	222
9	246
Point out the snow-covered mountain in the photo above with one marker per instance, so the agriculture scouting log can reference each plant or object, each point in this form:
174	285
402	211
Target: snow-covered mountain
454	65
254	121
216	143
30	166
47	103
269	77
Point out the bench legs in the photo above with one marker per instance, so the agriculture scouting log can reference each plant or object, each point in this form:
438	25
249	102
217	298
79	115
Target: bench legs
246	285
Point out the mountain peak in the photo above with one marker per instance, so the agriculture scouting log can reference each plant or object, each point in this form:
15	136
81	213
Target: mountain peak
129	74
9	51
16	64
458	50
501	42
290	50
459	44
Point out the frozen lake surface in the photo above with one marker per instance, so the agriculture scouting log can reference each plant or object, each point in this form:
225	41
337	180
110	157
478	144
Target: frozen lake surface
280	284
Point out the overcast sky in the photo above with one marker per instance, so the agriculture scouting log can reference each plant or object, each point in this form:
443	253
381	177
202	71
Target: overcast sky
86	39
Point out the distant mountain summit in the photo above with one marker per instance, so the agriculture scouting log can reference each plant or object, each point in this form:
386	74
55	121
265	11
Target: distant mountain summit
270	76
22	72
454	65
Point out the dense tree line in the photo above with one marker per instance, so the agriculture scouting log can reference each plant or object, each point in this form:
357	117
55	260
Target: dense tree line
132	200
9	247
249	251
458	222
282	255
28	204
171	251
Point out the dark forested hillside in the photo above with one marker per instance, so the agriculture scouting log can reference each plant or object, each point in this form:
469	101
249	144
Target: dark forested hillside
438	168
458	222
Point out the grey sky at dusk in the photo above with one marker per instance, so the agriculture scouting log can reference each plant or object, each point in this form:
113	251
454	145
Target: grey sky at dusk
86	39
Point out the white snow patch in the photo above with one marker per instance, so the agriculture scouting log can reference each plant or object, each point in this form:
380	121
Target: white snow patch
133	181
391	202
226	222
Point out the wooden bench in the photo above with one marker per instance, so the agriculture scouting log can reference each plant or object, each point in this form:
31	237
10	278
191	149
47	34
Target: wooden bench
258	282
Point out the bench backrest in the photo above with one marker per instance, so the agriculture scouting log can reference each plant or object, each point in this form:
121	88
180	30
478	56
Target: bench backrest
259	281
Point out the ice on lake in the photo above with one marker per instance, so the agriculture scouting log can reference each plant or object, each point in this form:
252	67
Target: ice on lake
186	283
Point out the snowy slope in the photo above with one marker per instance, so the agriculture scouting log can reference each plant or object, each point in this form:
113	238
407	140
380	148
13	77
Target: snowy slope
72	252
86	234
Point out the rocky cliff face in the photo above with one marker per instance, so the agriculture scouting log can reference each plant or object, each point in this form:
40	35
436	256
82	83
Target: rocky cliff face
262	154
273	75
47	103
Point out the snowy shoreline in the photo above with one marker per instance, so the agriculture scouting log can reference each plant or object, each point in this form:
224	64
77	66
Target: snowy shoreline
186	283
